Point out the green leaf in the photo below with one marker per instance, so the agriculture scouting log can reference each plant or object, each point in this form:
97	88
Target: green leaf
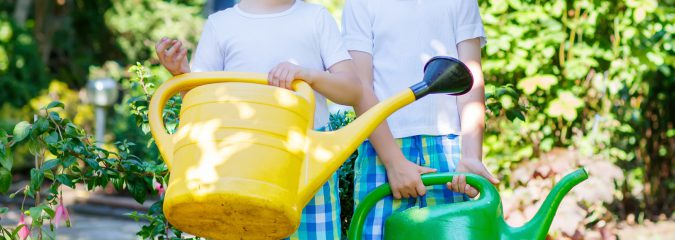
92	163
41	126
5	180
49	164
48	210
49	175
69	160
52	138
117	183
54	104
3	136
513	114
4	210
156	208
37	177
72	130
138	189
21	131
65	180
55	116
6	159
35	214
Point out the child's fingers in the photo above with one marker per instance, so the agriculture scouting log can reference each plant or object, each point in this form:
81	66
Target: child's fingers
290	76
271	80
421	189
282	77
396	194
462	184
181	54
405	194
277	76
470	191
161	47
176	46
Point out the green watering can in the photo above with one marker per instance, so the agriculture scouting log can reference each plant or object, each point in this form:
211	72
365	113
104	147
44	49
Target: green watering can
482	218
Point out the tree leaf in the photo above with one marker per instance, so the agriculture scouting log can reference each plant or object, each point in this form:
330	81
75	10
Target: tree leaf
69	160
3	136
52	138
156	208
37	177
41	126
48	210
6	159
138	189
54	104
35	214
5	180
21	131
55	116
49	164
65	180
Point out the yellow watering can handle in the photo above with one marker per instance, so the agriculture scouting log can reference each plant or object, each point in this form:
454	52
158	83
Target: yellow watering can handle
188	81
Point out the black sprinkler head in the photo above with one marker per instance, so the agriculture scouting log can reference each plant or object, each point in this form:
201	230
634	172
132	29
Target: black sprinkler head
444	75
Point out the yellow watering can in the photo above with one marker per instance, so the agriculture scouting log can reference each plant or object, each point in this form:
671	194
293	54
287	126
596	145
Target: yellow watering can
245	159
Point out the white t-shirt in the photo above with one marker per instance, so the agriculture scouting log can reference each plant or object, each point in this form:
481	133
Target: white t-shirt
305	34
402	35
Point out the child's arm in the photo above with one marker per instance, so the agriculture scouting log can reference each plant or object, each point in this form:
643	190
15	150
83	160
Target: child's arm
472	116
404	176
339	84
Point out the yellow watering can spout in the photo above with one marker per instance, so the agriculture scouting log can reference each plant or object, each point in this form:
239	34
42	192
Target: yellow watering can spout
328	150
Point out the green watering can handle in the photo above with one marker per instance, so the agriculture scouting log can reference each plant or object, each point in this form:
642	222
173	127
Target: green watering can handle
486	189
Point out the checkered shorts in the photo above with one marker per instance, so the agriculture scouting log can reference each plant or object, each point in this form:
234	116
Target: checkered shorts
320	219
439	152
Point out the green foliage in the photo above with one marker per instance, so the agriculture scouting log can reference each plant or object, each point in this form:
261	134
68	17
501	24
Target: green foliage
140	24
592	76
19	61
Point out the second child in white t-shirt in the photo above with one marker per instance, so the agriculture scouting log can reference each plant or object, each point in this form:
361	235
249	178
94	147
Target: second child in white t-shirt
390	41
289	39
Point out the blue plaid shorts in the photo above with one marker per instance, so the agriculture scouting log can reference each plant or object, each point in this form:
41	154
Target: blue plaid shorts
439	152
320	219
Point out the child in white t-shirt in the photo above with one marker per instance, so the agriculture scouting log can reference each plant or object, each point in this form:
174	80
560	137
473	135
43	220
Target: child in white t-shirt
289	40
390	40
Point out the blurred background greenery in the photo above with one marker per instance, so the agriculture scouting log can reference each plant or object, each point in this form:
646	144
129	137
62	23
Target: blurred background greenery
569	83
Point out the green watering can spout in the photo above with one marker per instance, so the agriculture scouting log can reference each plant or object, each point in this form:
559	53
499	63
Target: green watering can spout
538	227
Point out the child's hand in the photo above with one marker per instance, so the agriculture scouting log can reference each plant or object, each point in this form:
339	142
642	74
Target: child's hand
475	166
405	179
283	75
173	56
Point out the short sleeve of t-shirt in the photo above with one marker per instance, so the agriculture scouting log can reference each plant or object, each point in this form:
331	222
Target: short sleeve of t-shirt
468	23
330	40
208	56
357	27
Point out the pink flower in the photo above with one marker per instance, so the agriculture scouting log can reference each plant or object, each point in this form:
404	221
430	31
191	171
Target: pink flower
25	231
158	186
61	215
